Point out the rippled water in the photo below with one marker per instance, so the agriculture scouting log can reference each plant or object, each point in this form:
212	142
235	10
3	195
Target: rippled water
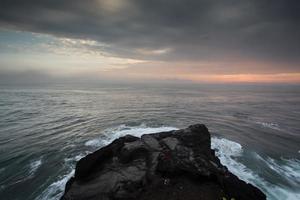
44	131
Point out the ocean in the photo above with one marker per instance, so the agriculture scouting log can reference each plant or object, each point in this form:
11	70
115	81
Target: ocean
44	130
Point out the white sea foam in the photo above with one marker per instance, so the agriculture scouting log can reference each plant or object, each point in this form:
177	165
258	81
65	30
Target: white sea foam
287	168
113	133
229	152
280	193
76	158
273	126
226	147
291	168
94	143
34	166
55	190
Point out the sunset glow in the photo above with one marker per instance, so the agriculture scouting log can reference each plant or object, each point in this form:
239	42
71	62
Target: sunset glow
124	40
149	99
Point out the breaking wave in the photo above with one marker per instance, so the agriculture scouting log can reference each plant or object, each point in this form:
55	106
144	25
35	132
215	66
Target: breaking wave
229	152
113	133
56	189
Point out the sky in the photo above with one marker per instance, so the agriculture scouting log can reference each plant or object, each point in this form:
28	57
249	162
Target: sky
214	41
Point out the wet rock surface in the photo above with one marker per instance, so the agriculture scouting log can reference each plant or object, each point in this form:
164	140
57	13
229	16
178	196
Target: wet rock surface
168	165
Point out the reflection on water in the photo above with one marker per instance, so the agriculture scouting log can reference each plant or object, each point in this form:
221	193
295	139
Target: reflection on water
43	132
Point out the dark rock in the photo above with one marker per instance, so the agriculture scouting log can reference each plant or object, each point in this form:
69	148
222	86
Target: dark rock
168	165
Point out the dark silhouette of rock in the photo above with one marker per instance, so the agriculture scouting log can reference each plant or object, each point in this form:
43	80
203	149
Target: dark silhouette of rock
168	165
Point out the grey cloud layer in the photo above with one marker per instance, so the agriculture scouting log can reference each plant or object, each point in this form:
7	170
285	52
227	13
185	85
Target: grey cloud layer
265	30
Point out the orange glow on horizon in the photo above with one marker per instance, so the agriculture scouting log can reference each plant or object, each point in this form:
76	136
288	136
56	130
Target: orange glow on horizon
248	78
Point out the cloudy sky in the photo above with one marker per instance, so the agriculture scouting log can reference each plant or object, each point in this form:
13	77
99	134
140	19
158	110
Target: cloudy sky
197	40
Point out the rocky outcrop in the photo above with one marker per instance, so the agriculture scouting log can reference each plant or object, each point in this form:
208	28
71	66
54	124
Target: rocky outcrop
168	165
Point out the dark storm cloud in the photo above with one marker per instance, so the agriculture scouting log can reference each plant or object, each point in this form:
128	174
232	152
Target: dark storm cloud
264	30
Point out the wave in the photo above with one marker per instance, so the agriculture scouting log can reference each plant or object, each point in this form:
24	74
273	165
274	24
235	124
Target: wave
113	133
76	158
31	169
273	126
34	166
288	169
229	153
56	189
94	143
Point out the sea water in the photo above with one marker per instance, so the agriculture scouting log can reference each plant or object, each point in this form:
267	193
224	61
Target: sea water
45	130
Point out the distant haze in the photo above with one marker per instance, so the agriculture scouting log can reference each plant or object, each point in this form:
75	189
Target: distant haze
205	41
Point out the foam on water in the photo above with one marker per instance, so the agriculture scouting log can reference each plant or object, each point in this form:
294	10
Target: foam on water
291	168
94	143
229	151
113	133
56	189
76	158
288	169
34	166
273	126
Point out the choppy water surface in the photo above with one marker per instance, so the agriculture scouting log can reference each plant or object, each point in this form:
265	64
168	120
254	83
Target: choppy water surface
44	131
